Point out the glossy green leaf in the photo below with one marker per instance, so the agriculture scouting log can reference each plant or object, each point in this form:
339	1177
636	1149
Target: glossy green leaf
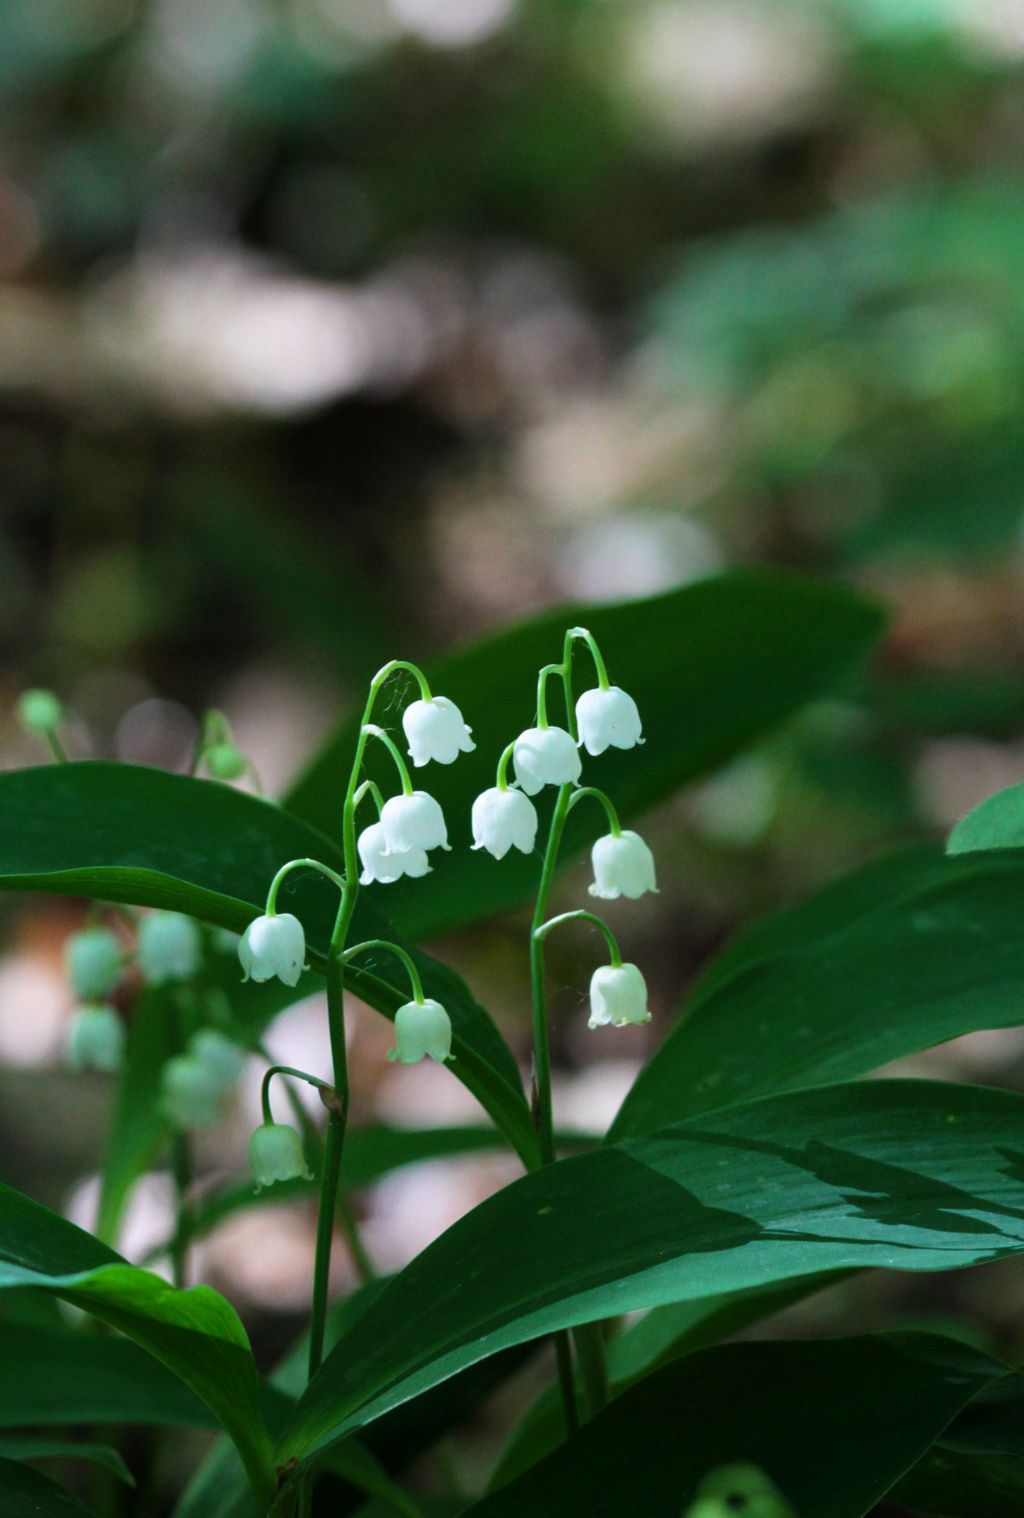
195	1333
26	1493
957	1484
66	1449
711	667
120	832
997	823
832	1423
62	1375
911	1175
903	954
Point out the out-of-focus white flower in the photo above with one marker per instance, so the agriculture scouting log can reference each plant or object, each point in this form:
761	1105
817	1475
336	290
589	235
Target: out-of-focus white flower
413	822
224	762
623	866
95	1039
381	863
503	819
275	1154
170	947
421	1028
220	1054
93	961
273	946
545	756
39	711
190	1092
618	995
436	730
607	718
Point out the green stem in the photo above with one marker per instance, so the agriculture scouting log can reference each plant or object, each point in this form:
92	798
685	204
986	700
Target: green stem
57	748
181	1165
589	1341
542	692
311	1080
329	1172
501	782
591	642
369	789
403	955
373	731
298	864
553	922
365	1268
613	816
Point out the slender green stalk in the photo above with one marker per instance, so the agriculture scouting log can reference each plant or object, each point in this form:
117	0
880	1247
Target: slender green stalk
181	1165
402	954
606	801
330	1170
57	748
365	1268
592	917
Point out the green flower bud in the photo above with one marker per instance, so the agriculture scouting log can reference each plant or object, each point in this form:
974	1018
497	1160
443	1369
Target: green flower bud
190	1092
93	962
39	711
738	1491
222	1057
224	762
275	1154
422	1028
95	1039
170	947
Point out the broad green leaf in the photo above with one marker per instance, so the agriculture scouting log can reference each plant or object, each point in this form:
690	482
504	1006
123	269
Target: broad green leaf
120	832
63	1375
910	1175
711	667
57	1449
833	1424
195	1333
997	823
959	1484
25	1493
903	954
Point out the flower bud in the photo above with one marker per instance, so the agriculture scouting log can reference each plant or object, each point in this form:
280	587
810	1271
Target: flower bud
502	819
618	995
435	730
275	1154
224	762
422	1028
170	947
545	756
95	1039
413	822
623	866
381	863
190	1092
93	962
219	1054
273	946
738	1489
39	711
607	718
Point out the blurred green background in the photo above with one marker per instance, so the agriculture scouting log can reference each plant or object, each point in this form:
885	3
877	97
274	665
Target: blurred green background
333	330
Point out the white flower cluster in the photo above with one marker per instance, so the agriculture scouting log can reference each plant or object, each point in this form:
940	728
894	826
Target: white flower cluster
410	826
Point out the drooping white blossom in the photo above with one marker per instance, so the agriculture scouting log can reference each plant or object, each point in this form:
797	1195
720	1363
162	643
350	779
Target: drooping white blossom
220	1054
383	864
93	961
545	756
95	1039
623	866
413	822
503	820
273	946
435	729
421	1028
190	1092
618	995
607	718
170	947
275	1154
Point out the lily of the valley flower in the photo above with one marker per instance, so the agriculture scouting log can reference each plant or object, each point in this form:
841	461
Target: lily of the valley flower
190	1092
607	718
502	820
93	960
273	946
618	995
545	756
413	822
169	948
95	1039
623	866
435	730
421	1028
275	1154
383	864
39	711
220	1054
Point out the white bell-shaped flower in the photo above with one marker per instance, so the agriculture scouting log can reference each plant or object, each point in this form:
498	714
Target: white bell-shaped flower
93	962
413	822
421	1028
545	756
380	863
275	1154
607	719
95	1039
190	1093
623	866
503	820
436	730
618	995
170	947
220	1054
273	946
